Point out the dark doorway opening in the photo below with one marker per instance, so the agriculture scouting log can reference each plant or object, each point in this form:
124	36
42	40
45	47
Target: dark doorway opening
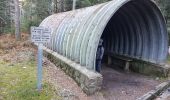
135	31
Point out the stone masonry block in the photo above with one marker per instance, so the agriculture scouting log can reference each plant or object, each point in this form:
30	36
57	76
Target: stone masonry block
89	81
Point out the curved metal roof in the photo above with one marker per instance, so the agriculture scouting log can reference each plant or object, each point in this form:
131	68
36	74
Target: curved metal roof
134	28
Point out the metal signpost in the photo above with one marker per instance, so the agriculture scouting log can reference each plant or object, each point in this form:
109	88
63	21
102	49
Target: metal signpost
40	35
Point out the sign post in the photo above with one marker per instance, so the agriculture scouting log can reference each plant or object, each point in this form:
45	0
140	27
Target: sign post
39	68
40	35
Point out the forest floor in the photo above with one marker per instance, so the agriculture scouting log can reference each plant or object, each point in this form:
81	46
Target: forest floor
18	77
18	71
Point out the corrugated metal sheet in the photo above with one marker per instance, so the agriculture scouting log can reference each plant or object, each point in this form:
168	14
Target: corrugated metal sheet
133	28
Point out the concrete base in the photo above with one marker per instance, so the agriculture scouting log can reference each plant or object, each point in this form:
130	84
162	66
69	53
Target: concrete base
150	69
142	67
89	81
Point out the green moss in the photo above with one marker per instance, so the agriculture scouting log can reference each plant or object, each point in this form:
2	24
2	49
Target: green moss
18	82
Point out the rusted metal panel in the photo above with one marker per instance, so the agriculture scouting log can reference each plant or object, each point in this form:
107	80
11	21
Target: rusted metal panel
133	28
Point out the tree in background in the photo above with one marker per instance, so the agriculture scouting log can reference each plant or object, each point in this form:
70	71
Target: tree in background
5	16
165	8
34	11
42	8
93	2
2	15
66	5
17	20
38	9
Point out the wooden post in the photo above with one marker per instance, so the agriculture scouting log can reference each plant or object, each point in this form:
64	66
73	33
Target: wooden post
109	62
127	66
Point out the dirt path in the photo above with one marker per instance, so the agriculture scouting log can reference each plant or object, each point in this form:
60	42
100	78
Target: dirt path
117	85
69	90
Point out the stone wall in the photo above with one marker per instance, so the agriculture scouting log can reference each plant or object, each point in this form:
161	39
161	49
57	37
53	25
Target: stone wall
89	81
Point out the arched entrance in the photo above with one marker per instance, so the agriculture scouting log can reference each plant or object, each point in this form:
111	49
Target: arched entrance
132	28
138	31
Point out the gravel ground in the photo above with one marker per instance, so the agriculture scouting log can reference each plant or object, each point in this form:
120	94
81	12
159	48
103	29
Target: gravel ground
117	85
69	90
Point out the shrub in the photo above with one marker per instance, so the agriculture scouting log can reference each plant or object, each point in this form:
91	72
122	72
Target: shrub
28	23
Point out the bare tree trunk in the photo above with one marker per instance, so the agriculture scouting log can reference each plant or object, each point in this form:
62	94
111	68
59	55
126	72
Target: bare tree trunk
17	20
74	5
60	5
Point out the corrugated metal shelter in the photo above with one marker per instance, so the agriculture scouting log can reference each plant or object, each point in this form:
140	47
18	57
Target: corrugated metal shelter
132	28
